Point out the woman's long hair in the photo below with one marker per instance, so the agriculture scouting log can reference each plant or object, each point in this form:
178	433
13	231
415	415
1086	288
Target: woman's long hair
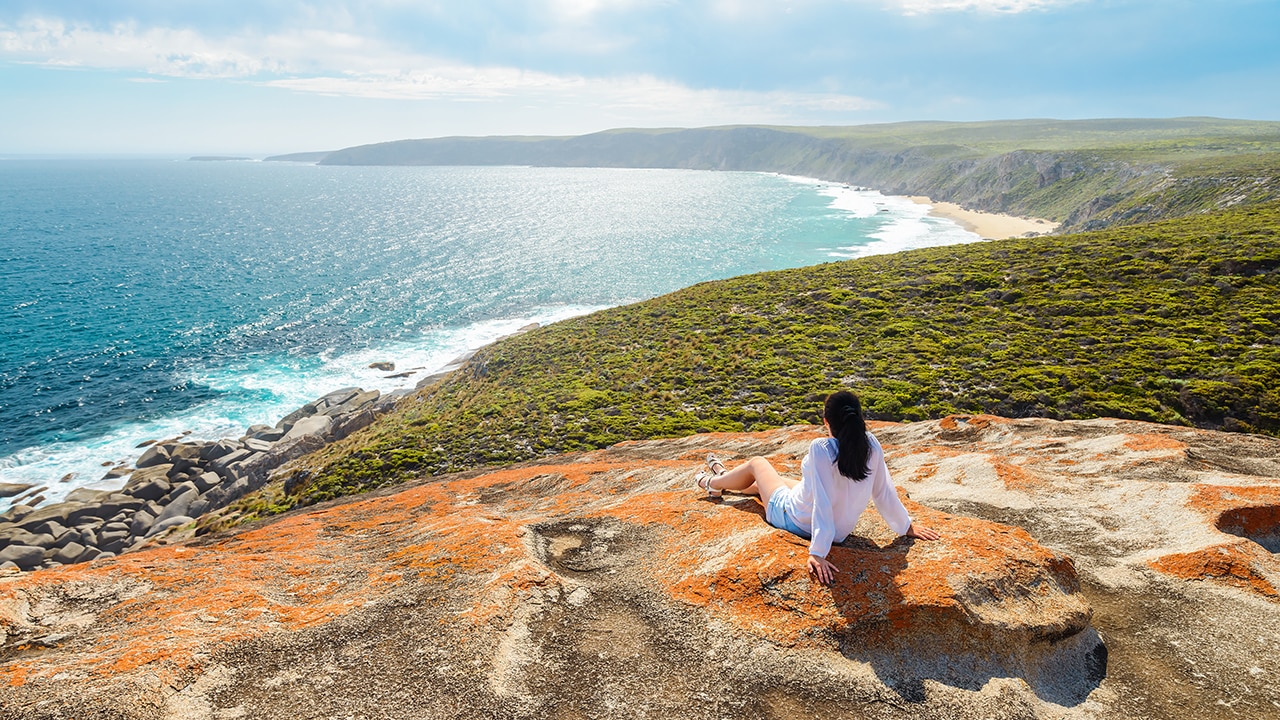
843	412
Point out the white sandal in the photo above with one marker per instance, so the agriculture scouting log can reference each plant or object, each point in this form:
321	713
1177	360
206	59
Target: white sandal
704	481
713	461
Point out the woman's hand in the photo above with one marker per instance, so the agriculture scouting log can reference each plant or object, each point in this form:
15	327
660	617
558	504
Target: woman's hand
920	531
823	570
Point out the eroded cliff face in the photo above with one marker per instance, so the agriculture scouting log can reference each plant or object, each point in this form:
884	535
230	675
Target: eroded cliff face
604	585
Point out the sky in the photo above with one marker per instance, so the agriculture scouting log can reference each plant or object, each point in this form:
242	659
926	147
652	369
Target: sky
277	76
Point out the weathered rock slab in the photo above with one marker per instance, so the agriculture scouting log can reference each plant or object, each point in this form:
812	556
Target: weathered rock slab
534	591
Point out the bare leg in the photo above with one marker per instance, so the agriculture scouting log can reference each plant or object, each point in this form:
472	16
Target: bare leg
755	473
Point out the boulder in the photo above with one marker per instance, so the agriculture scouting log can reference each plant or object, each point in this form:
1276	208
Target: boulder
199	507
315	425
207	481
58	513
154	455
49	527
16	513
353	404
11	489
70	553
383	366
265	433
182	466
216	497
224	461
179	501
85	495
153	489
26	557
257	469
146	475
112	505
288	421
236	490
28	498
142	522
219	449
348	424
256	445
112	538
118	471
337	397
182	489
188	451
167	523
12	535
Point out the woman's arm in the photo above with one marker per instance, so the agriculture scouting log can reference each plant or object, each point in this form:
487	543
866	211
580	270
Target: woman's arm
885	495
818	472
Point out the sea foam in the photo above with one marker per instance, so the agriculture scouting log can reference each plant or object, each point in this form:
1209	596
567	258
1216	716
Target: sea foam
901	223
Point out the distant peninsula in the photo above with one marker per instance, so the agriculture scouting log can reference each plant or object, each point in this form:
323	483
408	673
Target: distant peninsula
302	157
218	158
1082	174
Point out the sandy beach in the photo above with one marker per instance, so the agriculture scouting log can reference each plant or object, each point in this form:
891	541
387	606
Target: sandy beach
990	226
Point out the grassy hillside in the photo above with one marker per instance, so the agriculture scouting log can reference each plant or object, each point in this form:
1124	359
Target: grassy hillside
1175	322
1086	174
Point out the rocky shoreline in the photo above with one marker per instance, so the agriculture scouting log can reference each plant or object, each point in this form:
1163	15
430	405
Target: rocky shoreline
173	483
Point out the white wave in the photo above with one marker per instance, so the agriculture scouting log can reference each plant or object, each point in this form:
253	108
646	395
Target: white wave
259	390
906	225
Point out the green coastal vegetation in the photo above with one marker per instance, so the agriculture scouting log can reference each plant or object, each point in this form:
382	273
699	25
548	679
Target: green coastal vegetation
1084	174
1175	322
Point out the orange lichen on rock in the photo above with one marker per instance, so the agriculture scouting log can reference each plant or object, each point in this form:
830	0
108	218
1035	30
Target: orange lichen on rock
1016	477
489	542
1213	500
1151	442
1240	564
1249	513
765	588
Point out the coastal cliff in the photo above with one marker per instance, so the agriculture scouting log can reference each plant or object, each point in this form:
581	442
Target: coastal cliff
1087	569
1084	174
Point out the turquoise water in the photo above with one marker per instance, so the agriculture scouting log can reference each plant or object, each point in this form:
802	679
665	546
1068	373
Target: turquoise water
141	299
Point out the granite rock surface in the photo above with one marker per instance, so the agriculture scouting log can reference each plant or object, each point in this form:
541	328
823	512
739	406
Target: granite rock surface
1087	569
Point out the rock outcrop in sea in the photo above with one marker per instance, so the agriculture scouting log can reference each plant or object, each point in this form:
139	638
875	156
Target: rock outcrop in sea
1092	569
174	482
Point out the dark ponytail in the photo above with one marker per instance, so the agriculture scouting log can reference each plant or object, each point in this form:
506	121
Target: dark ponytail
843	412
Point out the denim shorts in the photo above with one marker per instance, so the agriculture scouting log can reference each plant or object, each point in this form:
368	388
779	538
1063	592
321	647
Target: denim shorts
778	514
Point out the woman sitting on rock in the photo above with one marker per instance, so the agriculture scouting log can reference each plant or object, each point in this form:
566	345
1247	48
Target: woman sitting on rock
839	476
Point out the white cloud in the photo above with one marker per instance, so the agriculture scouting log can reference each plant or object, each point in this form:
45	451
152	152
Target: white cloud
921	7
343	64
178	52
630	100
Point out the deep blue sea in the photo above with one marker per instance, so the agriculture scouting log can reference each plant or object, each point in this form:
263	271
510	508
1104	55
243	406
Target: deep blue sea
144	298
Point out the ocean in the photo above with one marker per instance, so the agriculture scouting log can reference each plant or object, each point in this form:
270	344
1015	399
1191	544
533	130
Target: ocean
142	299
